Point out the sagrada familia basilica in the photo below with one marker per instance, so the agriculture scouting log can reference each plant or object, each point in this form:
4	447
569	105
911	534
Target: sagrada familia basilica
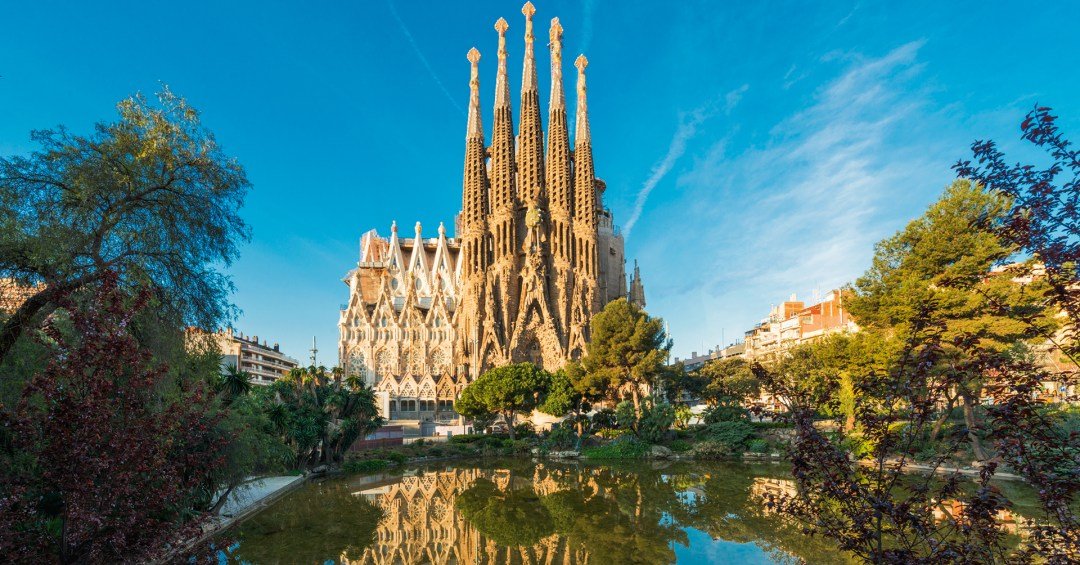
534	257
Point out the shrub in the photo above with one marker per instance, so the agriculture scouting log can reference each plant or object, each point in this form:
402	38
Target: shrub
711	450
681	446
625	448
611	433
625	417
603	419
757	446
734	435
397	457
525	430
435	452
561	437
655	421
467	438
365	465
726	411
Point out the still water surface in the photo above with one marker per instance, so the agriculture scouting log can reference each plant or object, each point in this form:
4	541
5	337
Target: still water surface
520	511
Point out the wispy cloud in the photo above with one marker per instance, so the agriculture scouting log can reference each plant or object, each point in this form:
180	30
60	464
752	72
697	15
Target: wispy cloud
588	8
804	210
420	55
688	127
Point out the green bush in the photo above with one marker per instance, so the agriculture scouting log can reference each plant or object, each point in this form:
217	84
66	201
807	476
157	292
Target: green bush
726	411
623	448
365	465
612	433
435	452
711	450
603	419
625	417
681	446
561	437
397	458
757	446
656	420
524	430
734	435
467	438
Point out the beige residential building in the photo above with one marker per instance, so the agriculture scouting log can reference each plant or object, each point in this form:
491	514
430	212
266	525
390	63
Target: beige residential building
265	363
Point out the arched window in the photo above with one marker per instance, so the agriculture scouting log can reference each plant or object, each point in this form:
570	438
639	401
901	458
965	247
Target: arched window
393	406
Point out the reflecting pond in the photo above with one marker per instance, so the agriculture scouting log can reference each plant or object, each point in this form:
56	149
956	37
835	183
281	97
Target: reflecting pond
522	511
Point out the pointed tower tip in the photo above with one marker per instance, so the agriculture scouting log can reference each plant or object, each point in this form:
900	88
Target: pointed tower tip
528	9
501	26
556	30
473	56
417	229
442	230
581	62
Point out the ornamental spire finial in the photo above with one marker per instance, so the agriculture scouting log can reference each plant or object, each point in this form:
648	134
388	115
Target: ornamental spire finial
475	128
582	126
558	99
528	74
502	89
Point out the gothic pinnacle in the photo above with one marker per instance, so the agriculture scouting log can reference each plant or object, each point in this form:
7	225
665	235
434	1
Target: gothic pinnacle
581	134
558	99
528	75
475	129
502	88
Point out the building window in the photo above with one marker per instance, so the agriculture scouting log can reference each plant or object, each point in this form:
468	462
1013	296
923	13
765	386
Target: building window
393	406
446	405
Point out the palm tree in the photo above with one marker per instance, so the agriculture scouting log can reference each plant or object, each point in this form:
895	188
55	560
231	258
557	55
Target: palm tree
234	383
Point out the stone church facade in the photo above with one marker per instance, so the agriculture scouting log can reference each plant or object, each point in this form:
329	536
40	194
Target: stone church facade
534	256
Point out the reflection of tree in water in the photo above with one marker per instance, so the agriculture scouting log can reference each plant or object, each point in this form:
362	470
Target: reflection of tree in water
317	522
513	517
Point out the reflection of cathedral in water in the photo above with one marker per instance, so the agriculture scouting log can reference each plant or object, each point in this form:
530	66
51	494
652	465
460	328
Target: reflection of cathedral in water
421	524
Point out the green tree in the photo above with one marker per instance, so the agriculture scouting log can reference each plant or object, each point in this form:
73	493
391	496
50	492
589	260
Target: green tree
151	197
321	416
941	266
628	348
506	391
728	379
233	384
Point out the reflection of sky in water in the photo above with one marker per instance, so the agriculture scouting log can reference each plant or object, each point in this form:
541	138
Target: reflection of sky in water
704	549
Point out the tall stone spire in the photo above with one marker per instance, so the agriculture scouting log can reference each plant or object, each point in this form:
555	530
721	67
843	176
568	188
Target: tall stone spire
637	288
558	179
474	196
502	136
586	266
502	286
584	173
530	149
559	185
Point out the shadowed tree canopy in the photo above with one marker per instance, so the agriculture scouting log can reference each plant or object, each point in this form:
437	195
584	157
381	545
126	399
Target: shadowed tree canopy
150	196
628	348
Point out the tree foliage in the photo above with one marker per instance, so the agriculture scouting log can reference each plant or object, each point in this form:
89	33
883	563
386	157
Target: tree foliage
150	197
627	351
505	390
320	416
98	466
946	323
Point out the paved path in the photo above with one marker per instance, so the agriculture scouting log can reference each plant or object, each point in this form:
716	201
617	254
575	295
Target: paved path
249	494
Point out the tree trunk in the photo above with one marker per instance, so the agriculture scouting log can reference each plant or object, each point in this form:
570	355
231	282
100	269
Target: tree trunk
936	430
635	394
221	501
510	422
970	420
19	322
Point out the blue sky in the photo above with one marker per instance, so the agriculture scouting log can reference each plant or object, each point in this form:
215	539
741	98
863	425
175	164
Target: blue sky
751	150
